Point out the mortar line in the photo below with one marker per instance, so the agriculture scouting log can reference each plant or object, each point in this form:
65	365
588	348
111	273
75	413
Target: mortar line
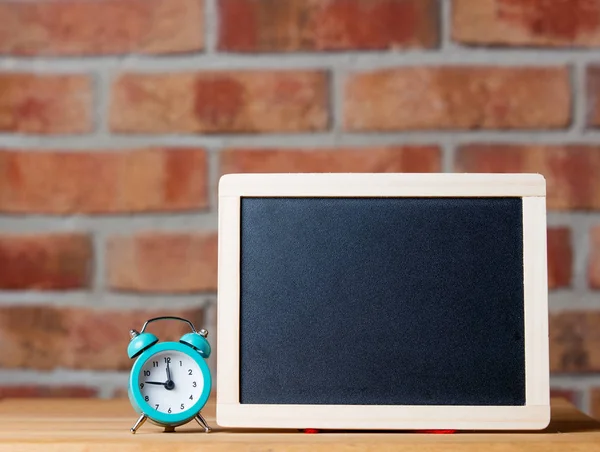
99	265
369	60
102	101
579	98
337	81
570	300
580	241
445	26
585	400
211	27
210	321
109	300
448	156
101	143
18	376
111	225
213	175
574	381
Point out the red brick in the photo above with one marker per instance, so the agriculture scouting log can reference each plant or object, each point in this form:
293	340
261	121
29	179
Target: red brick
45	261
408	159
45	104
595	403
151	179
575	342
163	262
567	394
560	258
458	97
594	258
33	391
72	27
553	23
46	337
313	25
593	96
119	393
213	102
570	171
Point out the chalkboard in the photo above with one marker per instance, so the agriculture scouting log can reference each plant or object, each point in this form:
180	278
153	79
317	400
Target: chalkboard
381	301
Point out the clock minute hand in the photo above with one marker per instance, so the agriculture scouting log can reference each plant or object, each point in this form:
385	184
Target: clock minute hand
155	383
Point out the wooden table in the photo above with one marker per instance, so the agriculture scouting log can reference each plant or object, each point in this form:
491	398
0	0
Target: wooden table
103	425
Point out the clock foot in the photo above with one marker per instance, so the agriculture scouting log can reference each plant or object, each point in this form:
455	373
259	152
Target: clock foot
169	429
200	420
138	423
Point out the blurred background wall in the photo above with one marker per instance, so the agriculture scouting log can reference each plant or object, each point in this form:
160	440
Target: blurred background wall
117	118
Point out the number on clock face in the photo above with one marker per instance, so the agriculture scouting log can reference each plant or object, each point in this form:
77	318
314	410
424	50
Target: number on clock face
182	393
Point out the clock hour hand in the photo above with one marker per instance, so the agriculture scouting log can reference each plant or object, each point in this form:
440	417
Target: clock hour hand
168	372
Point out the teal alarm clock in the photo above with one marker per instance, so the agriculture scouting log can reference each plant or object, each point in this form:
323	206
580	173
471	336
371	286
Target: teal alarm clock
170	382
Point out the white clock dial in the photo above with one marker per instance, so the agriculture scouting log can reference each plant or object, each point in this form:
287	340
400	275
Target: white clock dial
177	393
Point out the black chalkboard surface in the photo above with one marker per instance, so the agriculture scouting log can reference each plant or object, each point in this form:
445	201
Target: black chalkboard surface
381	301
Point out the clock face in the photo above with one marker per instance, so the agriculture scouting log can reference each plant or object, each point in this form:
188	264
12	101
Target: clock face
171	382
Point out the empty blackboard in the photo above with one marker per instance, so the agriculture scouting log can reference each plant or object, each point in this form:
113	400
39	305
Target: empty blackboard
381	301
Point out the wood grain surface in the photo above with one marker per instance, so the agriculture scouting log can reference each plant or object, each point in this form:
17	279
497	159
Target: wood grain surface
103	425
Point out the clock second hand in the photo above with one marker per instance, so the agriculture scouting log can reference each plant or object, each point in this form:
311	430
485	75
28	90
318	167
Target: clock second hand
155	383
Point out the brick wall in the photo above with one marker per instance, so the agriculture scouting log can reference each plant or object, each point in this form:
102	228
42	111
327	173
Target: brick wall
118	116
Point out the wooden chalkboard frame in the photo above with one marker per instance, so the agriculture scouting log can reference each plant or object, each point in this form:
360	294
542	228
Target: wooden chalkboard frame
535	414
